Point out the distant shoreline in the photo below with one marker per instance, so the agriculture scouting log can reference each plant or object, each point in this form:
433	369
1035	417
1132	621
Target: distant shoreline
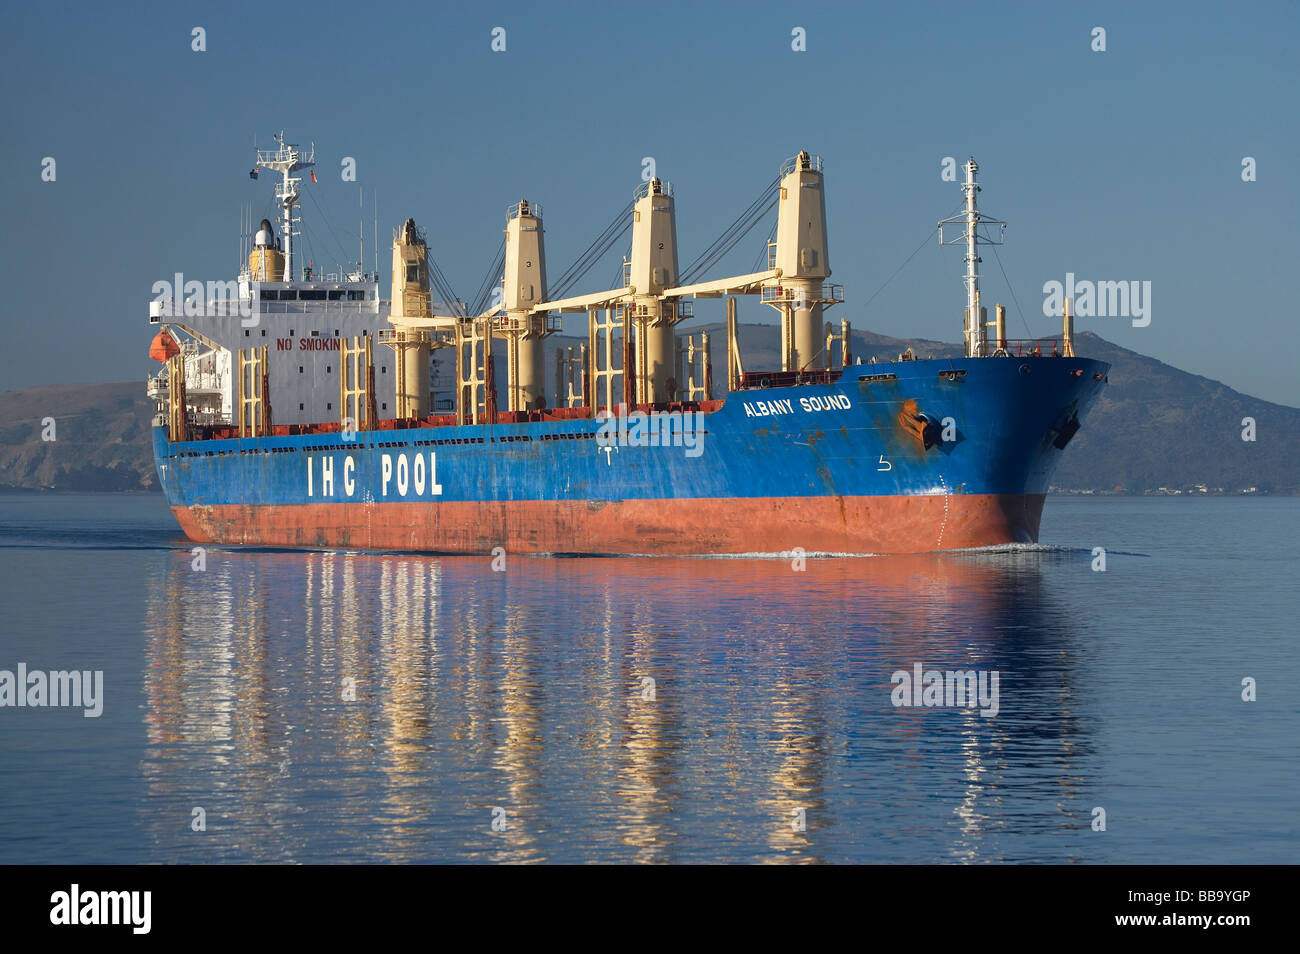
12	491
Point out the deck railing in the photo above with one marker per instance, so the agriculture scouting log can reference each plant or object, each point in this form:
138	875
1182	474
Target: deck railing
1027	348
787	379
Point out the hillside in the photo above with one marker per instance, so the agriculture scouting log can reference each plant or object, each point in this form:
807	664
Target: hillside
101	438
1155	426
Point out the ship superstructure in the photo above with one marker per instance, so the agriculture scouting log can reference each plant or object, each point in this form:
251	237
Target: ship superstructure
283	321
312	412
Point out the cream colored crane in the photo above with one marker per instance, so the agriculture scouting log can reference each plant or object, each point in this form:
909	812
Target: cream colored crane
794	282
650	300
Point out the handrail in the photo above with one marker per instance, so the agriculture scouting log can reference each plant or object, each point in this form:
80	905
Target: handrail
643	190
792	164
228	307
534	209
831	294
786	379
1026	347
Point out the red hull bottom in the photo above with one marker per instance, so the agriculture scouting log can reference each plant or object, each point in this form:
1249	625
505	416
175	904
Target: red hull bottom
915	524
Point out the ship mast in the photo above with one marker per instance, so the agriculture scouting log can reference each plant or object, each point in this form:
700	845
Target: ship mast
972	219
286	160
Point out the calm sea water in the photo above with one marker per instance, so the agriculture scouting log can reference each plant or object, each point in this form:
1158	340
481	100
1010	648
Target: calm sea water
521	697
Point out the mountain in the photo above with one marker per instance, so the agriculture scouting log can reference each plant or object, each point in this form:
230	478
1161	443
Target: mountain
101	438
1156	426
1153	427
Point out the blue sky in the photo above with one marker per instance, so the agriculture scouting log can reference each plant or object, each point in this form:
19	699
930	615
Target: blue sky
1122	165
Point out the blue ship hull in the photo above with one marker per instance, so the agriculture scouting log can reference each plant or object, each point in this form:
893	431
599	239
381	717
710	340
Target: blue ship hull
845	467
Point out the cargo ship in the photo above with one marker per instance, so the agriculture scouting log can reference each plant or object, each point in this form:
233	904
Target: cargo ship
298	409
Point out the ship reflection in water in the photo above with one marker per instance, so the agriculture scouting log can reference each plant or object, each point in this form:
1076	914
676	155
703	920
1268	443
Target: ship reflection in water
610	710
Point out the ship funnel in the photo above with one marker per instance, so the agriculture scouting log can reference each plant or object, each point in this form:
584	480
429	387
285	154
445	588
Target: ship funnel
266	261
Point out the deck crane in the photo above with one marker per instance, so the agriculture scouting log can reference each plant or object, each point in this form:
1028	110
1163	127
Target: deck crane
647	306
794	283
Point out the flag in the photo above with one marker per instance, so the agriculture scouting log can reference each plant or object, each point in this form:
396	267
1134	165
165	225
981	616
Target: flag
313	175
253	173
